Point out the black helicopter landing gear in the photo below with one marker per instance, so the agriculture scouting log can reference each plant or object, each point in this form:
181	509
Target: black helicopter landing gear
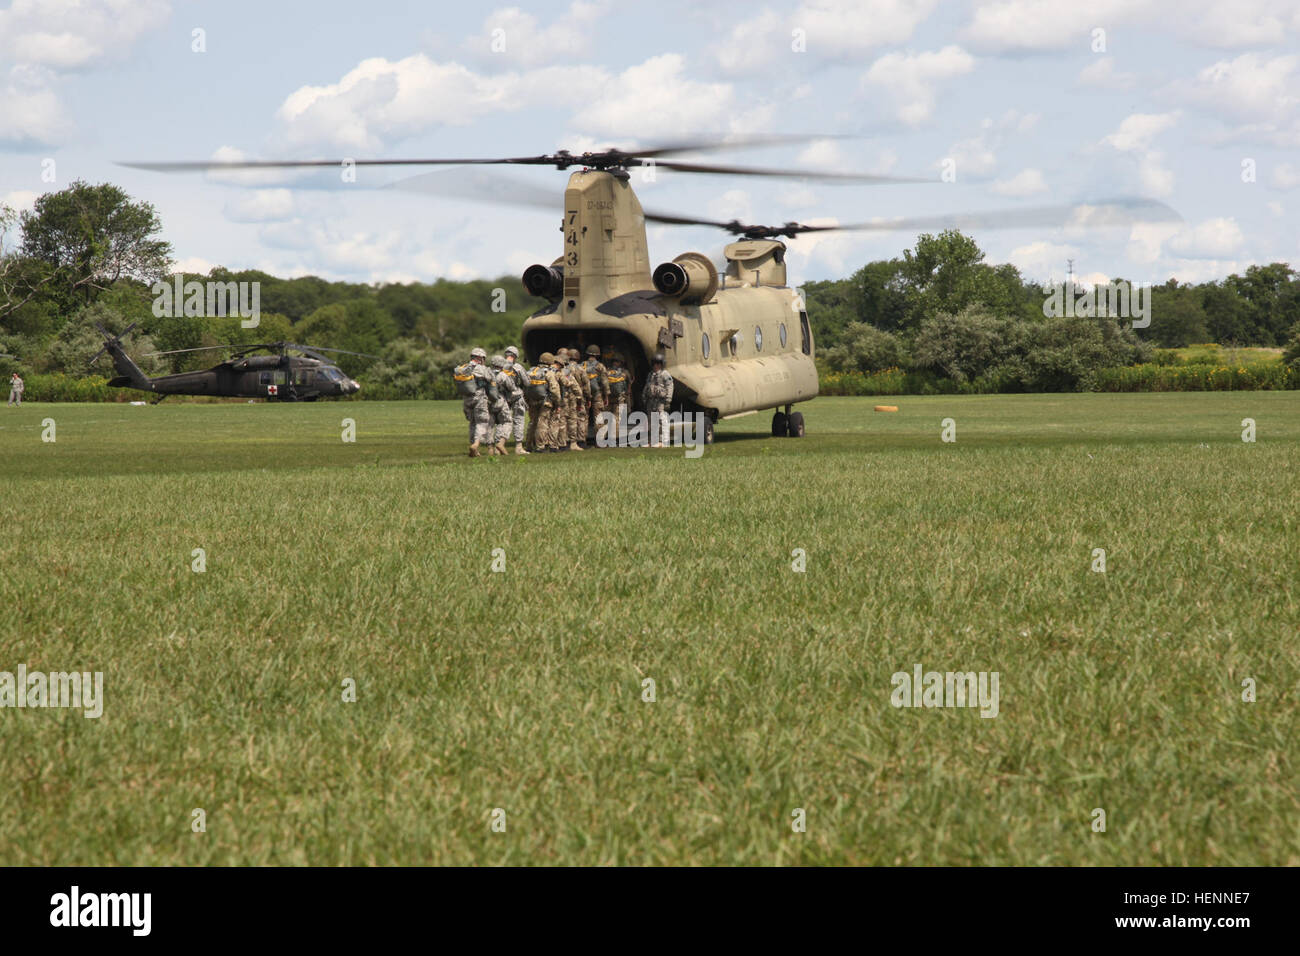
787	424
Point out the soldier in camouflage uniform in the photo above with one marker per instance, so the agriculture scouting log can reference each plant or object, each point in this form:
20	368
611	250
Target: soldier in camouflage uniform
579	432
477	389
501	414
518	405
542	391
567	426
598	379
620	389
657	395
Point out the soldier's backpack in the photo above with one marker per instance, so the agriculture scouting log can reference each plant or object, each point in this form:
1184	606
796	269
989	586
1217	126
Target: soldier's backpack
536	389
466	386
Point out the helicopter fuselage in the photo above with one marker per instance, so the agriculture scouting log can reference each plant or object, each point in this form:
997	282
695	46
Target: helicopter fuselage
735	342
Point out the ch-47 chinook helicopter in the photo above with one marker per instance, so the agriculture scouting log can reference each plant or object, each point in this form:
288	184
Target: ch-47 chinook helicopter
278	375
736	340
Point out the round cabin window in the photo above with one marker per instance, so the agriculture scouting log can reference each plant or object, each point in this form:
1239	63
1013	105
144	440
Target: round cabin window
758	339
782	335
704	344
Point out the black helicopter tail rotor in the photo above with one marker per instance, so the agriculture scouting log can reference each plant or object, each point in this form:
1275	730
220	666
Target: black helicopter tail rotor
110	339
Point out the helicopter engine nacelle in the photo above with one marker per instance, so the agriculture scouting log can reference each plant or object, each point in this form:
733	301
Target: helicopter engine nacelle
546	282
691	277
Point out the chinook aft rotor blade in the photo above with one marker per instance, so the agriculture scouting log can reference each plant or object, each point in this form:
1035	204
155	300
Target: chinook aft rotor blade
1106	213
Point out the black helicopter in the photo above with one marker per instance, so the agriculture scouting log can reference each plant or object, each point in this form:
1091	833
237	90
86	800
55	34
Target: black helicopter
279	375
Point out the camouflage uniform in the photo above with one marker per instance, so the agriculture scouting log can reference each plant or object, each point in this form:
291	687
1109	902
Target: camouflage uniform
518	405
620	390
501	416
578	422
542	409
567	420
475	385
598	380
657	396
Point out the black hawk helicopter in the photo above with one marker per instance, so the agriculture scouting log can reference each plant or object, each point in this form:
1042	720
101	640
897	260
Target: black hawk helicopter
278	375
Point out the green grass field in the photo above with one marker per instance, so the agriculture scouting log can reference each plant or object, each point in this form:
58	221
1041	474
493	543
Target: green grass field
522	690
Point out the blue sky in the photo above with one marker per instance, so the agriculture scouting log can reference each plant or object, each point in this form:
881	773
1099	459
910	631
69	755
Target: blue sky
1179	101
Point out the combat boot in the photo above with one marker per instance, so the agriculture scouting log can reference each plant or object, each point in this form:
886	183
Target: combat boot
500	447
520	450
574	446
473	450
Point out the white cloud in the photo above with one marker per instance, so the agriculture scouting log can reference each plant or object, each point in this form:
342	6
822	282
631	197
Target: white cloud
30	111
1033	26
1251	87
1138	130
193	265
911	79
1038	26
1135	136
655	99
830	30
1042	261
523	42
1101	74
732	204
263	205
977	156
75	34
20	200
1211	239
1027	182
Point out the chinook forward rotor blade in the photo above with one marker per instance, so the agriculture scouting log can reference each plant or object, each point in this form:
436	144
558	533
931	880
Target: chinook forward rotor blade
612	158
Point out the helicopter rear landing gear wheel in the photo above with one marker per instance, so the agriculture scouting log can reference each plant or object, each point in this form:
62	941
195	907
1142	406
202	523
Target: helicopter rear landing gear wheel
780	425
796	424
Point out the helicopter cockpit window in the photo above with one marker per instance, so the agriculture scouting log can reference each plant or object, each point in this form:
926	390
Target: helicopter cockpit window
758	339
782	335
704	344
806	329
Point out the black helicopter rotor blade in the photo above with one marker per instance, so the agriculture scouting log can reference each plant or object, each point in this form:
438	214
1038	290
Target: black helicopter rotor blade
1097	214
861	178
612	158
321	348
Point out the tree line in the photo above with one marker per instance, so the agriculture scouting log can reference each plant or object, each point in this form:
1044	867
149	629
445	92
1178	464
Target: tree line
91	254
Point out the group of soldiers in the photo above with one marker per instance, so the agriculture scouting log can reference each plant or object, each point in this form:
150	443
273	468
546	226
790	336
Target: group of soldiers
562	397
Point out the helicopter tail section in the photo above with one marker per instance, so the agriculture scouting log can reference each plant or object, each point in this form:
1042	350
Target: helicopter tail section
128	373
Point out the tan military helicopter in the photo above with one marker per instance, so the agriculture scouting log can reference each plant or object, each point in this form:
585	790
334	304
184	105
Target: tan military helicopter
736	340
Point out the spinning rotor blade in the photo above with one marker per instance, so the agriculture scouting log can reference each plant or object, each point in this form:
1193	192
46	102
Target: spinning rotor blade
563	159
1085	215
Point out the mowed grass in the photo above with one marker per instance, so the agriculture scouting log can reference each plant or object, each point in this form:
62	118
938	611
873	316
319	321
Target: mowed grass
522	690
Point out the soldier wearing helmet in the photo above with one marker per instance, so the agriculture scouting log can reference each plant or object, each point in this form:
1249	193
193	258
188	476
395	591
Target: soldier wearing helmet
500	406
578	425
518	404
542	392
477	389
598	379
657	396
567	426
620	388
